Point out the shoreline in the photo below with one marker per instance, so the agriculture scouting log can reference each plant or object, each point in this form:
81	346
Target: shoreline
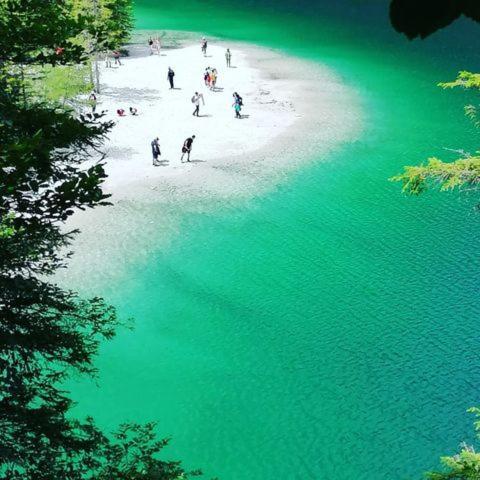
299	111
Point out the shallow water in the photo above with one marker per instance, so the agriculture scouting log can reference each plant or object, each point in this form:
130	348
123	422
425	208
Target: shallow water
327	330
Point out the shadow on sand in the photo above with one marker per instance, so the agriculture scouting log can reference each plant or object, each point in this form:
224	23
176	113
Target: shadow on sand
162	163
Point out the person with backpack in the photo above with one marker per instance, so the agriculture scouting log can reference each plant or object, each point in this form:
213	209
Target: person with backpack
196	101
155	151
170	76
238	99
187	148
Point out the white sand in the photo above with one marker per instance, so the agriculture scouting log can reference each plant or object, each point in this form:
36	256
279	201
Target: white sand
297	112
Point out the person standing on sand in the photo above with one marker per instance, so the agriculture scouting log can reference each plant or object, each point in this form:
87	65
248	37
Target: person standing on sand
108	60
213	79
93	101
237	107
187	148
116	57
228	57
204	46
170	76
196	101
206	76
238	98
155	151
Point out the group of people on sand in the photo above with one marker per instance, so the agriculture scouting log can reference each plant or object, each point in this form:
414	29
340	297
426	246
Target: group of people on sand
210	78
155	45
116	58
186	149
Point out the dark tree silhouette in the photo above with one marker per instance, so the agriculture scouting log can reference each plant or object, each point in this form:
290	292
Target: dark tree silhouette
421	18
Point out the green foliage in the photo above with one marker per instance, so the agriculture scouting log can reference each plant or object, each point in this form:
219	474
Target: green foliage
62	84
446	175
463	466
28	37
109	22
463	172
464	79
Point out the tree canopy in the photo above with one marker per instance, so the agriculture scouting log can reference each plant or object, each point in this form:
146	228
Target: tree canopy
421	18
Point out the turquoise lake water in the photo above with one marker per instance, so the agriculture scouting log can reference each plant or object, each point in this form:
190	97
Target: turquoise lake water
329	329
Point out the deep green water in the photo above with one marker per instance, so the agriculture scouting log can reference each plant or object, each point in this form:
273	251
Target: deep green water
327	330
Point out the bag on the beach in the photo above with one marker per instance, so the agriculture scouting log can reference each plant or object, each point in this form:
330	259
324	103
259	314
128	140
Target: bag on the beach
193	99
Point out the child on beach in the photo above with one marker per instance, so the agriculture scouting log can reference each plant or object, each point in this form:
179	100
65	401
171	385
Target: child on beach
121	112
133	111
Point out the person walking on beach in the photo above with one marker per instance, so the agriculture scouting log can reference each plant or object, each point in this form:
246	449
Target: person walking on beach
170	76
228	57
238	108
187	148
196	101
238	98
204	46
155	151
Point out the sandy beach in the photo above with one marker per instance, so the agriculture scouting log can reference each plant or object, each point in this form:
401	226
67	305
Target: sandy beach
294	112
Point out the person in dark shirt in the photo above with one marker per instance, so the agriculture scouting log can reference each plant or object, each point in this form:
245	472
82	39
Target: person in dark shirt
155	151
187	148
170	76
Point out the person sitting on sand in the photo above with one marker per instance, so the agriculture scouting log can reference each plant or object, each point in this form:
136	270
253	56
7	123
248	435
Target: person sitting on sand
133	111
228	57
187	148
196	101
121	112
155	151
170	76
